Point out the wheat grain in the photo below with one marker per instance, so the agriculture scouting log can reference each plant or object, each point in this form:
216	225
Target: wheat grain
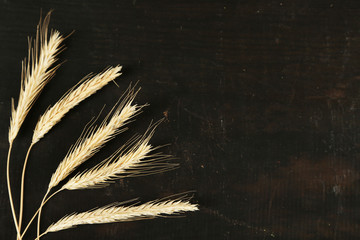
94	139
53	115
114	213
36	72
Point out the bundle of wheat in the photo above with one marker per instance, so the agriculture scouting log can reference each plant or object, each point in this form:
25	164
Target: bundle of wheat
135	158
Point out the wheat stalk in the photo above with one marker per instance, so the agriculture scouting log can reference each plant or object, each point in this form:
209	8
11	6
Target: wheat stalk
114	213
36	72
121	165
88	87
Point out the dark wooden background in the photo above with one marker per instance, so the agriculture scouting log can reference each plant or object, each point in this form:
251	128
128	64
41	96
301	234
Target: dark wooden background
262	108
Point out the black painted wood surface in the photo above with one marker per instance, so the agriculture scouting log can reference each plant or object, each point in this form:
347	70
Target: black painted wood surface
261	101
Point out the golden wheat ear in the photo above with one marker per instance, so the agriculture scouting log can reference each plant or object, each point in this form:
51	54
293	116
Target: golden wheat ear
117	213
135	158
89	85
37	70
94	138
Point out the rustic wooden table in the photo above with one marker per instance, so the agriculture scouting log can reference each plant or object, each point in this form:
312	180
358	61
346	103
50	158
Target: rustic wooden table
261	101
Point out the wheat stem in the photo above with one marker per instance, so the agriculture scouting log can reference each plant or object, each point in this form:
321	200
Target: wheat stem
9	188
39	215
36	213
38	237
22	187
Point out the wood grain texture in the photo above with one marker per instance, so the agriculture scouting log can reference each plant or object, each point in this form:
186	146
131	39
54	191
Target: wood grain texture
262	108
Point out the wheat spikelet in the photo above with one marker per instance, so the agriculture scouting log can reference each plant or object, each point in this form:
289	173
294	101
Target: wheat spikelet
131	163
36	72
114	213
88	87
94	139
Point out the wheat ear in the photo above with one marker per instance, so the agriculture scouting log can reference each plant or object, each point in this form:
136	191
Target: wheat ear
94	139
36	72
88	86
115	213
134	162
